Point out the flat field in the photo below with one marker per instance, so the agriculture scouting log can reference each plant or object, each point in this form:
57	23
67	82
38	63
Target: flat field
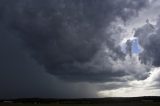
135	101
105	104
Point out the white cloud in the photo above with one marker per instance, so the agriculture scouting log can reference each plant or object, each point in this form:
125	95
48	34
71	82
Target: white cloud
135	88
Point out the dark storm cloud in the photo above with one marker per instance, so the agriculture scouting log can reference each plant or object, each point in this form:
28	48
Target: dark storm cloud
65	36
129	47
149	40
21	76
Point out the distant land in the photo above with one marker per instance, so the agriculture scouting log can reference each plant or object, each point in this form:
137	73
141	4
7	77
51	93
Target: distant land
147	100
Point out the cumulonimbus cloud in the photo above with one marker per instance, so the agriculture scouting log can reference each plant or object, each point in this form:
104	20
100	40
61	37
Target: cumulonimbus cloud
68	37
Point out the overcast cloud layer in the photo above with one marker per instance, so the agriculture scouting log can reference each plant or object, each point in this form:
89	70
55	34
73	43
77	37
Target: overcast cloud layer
52	48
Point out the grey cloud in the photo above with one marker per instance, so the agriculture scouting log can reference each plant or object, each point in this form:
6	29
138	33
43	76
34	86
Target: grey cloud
133	68
67	39
22	77
149	40
148	36
65	36
129	47
113	85
41	42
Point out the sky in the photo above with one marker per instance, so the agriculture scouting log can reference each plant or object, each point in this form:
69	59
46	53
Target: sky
79	48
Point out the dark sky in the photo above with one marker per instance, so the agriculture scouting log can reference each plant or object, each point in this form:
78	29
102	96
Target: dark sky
74	48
